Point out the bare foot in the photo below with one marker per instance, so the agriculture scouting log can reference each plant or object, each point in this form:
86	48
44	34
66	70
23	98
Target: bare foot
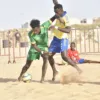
53	79
42	81
55	73
78	69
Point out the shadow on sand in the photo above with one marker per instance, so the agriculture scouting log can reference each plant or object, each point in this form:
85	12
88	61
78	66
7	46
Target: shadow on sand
5	80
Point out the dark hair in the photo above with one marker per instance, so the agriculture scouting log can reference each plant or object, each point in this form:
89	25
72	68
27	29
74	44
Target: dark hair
58	6
72	43
34	23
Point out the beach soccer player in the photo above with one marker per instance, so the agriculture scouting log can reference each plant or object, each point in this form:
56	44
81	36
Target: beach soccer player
59	43
73	54
39	45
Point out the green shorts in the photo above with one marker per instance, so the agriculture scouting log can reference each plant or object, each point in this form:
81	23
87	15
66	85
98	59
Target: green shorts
33	55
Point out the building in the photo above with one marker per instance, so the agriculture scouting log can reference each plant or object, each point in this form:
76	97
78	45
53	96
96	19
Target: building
82	21
96	20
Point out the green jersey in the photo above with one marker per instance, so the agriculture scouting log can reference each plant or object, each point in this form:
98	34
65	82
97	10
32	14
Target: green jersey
41	40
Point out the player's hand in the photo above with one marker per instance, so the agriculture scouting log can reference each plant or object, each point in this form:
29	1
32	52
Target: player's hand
61	20
51	27
44	54
55	2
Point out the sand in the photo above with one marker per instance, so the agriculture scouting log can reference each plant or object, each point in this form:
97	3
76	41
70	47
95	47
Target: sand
10	89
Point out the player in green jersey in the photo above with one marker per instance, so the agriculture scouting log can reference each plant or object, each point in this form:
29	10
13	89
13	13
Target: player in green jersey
39	45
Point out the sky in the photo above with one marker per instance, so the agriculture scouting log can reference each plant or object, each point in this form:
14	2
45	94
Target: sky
14	13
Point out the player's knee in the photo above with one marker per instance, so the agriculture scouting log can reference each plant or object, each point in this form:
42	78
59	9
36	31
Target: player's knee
45	57
50	56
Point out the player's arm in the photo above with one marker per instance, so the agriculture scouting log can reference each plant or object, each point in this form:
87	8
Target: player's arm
65	21
48	23
78	55
37	49
65	30
55	2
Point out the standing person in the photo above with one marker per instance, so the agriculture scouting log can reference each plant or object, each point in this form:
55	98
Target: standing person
39	45
17	37
9	37
59	43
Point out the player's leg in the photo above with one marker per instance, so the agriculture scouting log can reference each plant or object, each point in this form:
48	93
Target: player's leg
90	61
61	63
67	59
15	43
25	68
10	42
52	63
44	67
64	47
82	61
53	49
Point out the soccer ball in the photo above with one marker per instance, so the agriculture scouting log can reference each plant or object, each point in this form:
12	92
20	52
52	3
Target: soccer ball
26	78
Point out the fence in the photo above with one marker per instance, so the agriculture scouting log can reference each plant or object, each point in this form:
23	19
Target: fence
9	48
87	41
5	49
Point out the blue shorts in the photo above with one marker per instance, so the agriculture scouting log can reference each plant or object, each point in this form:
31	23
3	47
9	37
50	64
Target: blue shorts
58	45
81	61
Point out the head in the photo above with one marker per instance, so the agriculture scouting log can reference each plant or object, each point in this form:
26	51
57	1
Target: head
35	25
72	45
58	9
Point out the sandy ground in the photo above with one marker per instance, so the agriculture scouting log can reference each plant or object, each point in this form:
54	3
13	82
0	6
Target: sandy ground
10	89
